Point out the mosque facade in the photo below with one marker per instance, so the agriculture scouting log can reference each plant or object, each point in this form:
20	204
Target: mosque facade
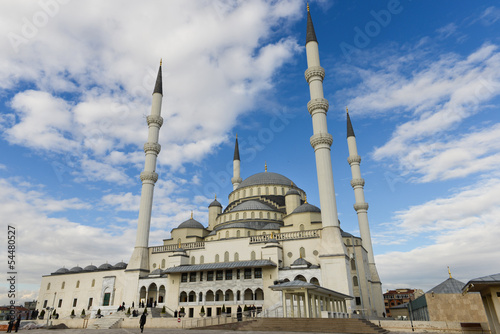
268	248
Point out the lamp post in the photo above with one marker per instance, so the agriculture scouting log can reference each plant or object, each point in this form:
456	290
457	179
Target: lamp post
410	311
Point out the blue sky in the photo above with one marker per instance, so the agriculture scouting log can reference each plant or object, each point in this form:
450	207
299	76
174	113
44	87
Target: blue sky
421	79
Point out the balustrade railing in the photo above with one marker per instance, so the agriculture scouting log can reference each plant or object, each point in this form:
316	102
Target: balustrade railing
186	246
286	236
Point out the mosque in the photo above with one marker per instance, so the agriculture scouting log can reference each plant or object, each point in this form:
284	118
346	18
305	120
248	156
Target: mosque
269	248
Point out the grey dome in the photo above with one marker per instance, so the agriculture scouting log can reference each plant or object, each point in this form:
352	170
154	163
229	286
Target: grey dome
251	205
76	269
191	223
120	265
90	268
215	203
306	207
62	271
301	262
156	272
105	266
292	192
265	178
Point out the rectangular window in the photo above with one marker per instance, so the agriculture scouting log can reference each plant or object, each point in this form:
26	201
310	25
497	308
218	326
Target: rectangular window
90	302
219	275
358	301
228	311
45	304
237	274
184	277
74	302
210	275
257	273
201	276
192	277
248	273
209	312
229	275
60	303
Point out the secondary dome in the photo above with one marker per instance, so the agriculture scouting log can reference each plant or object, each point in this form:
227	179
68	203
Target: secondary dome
215	203
120	265
306	207
105	266
251	205
62	271
265	178
90	267
292	192
76	269
191	223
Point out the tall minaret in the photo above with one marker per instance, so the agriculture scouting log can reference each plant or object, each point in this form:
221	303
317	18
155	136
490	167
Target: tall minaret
333	252
361	208
139	260
236	180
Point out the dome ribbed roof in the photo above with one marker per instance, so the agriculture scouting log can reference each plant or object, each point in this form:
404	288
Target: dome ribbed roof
191	223
76	269
90	267
265	178
215	203
301	262
251	205
62	271
105	266
120	265
292	192
306	207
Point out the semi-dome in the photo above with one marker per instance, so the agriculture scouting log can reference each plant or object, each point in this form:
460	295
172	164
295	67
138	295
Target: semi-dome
90	267
120	265
76	269
265	178
105	266
251	205
301	262
191	223
215	203
62	270
306	207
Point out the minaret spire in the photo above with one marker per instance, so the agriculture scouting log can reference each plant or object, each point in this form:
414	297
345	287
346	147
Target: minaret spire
139	260
333	257
361	207
236	179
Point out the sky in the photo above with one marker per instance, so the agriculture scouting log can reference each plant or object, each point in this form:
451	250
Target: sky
421	80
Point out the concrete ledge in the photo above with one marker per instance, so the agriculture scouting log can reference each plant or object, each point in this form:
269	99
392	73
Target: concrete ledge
424	326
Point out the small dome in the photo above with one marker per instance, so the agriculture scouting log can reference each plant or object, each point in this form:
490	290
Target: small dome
76	269
62	271
306	207
265	178
105	266
215	203
120	265
191	223
301	262
292	192
251	205
156	272
90	268
272	241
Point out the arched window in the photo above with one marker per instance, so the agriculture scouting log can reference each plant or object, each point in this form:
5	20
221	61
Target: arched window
282	191
353	264
355	281
302	252
275	216
248	233
209	297
183	297
301	227
244	215
192	260
216	258
267	190
258	191
248	295
236	257
202	259
192	296
179	241
259	294
229	296
314	280
260	214
77	284
252	255
163	263
227	234
219	296
275	191
300	278
244	193
237	216
63	285
251	192
93	282
48	286
268	215
226	256
253	215
238	233
200	297
348	242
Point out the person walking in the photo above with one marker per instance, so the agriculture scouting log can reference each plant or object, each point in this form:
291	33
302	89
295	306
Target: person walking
239	313
142	321
18	322
11	324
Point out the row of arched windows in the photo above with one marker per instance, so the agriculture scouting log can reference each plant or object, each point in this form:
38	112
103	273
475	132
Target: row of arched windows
227	257
250	215
220	295
63	284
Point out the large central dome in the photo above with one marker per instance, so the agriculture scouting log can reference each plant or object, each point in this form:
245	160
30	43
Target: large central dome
265	178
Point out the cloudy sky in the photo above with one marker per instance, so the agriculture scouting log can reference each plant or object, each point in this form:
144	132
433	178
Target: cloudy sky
421	80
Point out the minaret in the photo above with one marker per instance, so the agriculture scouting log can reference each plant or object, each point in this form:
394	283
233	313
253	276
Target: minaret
361	208
139	260
333	252
236	180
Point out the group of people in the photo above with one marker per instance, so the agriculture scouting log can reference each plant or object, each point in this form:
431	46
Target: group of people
14	324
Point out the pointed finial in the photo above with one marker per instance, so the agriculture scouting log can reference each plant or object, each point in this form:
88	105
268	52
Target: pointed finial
305	199
236	135
449	272
346	110
215	196
272	235
308	6
265	166
161	61
191	214
179	244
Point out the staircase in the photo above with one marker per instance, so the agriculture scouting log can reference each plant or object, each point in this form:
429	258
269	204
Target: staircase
354	326
107	322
